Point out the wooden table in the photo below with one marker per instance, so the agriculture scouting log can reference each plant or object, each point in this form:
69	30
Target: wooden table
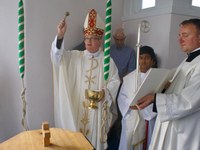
60	140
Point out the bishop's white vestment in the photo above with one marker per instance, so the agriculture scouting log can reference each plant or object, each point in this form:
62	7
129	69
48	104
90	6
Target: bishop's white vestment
177	125
75	71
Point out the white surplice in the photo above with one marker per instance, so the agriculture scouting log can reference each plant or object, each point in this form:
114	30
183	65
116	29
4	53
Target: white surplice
133	123
75	71
178	120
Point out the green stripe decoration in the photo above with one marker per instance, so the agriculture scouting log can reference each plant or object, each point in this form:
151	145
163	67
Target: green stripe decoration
21	58
107	39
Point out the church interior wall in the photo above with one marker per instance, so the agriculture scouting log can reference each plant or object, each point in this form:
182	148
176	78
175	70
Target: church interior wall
164	21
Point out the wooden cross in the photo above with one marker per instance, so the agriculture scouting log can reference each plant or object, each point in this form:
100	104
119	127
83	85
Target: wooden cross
46	134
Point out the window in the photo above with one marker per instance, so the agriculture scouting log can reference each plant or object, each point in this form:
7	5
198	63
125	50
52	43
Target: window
149	3
196	3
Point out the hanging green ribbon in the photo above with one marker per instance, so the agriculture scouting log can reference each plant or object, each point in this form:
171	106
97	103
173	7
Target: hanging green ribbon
107	40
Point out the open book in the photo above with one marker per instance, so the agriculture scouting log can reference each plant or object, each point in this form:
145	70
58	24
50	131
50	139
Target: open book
154	82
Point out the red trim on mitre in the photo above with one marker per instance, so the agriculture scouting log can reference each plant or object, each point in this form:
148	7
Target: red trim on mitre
92	19
92	29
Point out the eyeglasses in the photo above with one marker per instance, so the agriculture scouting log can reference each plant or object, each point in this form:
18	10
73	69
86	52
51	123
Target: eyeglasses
91	38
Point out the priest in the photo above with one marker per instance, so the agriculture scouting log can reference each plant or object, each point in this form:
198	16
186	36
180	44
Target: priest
178	109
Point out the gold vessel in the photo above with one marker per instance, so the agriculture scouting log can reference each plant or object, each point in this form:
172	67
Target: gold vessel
94	97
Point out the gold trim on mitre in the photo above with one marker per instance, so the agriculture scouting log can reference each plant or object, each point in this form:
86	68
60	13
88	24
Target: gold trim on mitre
93	24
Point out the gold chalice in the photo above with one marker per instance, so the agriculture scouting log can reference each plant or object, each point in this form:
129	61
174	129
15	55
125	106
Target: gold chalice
94	97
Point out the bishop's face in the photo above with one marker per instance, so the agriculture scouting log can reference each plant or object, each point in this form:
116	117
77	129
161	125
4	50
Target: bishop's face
189	38
146	62
93	43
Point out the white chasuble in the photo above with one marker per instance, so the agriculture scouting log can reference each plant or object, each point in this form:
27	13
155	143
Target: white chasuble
74	72
178	120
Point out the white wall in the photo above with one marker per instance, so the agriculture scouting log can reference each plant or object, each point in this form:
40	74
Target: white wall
163	37
157	37
42	17
10	85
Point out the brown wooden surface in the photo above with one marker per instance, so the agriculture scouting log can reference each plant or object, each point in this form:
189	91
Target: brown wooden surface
60	140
